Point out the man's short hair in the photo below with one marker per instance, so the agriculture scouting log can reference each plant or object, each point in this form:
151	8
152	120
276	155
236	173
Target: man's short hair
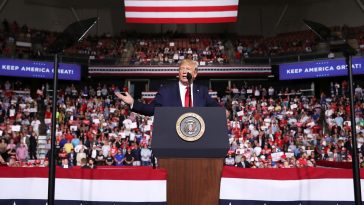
190	62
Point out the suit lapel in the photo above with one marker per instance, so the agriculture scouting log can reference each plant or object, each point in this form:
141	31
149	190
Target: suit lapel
178	96
197	99
196	96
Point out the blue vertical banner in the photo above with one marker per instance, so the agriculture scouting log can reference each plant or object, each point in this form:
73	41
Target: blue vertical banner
38	69
319	69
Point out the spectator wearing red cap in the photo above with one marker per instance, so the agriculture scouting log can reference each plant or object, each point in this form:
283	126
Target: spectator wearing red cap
114	149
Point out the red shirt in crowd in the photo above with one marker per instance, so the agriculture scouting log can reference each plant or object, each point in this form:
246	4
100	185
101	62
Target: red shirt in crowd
48	115
69	137
236	132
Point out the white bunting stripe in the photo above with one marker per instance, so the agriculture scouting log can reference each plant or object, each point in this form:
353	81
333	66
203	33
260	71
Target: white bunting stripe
180	14
86	190
287	190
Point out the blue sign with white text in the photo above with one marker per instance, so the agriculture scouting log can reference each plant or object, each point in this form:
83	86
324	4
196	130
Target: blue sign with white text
319	69
39	69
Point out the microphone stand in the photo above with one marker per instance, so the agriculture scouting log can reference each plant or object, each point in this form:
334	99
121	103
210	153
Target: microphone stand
71	35
355	155
342	46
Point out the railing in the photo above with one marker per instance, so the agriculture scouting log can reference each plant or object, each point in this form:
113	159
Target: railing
285	58
253	60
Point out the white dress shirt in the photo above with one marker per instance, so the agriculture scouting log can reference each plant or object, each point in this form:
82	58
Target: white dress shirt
182	92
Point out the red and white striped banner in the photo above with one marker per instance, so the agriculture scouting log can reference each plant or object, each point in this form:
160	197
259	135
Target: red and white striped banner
181	11
314	186
101	186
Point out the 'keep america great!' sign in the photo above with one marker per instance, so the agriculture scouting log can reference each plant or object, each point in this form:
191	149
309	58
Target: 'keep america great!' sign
319	69
38	69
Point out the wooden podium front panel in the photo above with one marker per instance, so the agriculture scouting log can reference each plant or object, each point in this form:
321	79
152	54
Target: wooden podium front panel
192	181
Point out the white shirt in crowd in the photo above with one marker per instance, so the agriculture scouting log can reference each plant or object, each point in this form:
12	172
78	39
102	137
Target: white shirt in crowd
145	154
235	91
79	147
257	150
105	149
358	90
127	123
35	124
229	161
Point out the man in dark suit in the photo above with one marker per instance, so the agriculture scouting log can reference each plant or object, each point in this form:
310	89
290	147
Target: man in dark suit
243	163
175	94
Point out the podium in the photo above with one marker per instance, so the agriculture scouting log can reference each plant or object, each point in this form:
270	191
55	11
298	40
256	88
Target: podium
193	163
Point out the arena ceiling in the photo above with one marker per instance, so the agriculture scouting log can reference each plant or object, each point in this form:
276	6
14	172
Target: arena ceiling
76	3
112	3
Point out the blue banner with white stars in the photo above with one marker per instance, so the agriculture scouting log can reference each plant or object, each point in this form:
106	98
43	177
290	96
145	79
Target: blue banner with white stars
319	69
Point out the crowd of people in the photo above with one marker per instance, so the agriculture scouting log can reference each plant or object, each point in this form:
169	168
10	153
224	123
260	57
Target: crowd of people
147	49
267	127
19	125
92	128
293	130
292	43
170	50
28	43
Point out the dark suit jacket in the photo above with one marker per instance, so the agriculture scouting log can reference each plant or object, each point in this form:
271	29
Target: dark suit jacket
169	96
243	164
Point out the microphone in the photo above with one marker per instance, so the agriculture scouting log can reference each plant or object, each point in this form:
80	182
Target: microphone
189	77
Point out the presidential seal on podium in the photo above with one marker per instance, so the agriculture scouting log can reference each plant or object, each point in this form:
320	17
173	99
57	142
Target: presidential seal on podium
190	127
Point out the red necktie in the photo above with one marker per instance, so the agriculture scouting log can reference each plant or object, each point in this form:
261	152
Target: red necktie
187	97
